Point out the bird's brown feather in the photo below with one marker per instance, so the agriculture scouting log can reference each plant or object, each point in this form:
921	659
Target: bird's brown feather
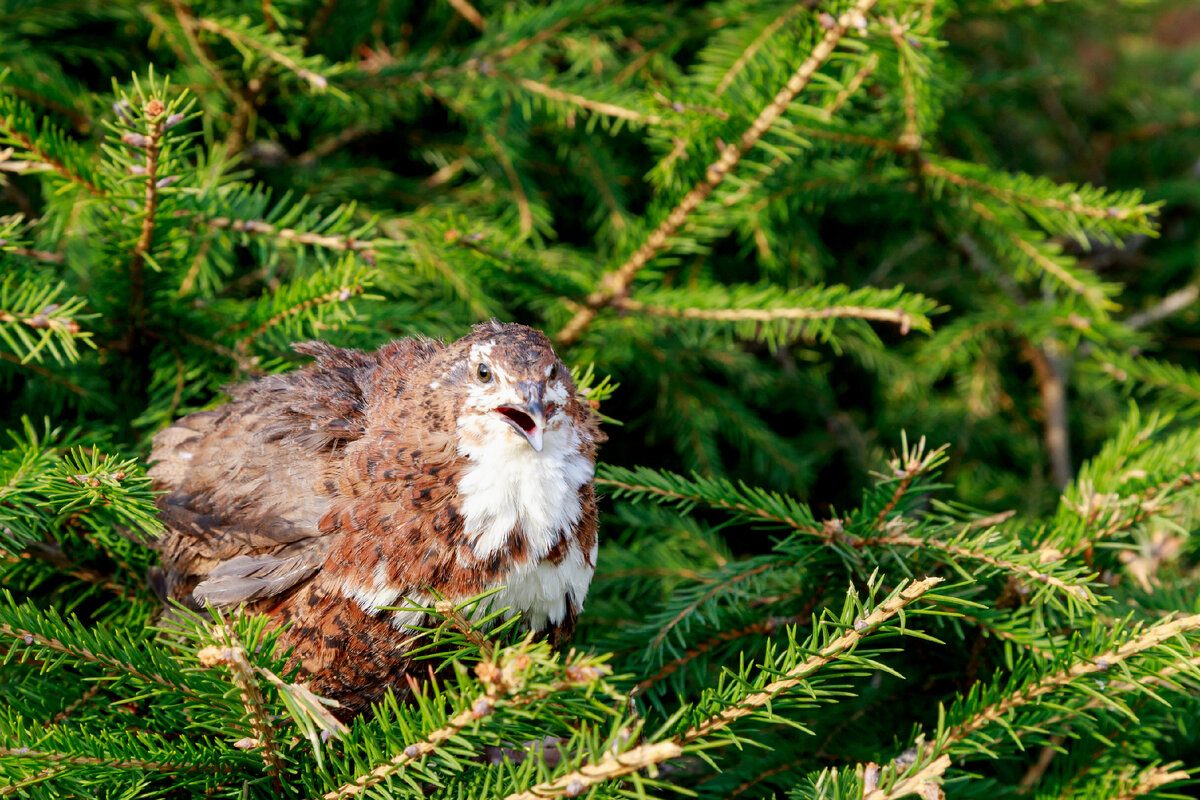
313	494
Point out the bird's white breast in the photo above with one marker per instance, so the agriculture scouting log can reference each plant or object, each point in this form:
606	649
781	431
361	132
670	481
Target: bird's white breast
508	486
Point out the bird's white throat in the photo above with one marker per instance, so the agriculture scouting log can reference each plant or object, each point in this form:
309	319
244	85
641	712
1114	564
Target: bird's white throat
508	486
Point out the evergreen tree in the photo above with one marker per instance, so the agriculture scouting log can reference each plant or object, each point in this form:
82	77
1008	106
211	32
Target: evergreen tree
904	462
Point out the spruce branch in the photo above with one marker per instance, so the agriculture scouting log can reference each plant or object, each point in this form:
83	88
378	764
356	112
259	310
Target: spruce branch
292	236
85	650
35	319
895	316
586	103
504	680
116	763
747	55
152	143
979	719
613	765
269	45
1094	295
917	783
1149	780
228	651
44	145
617	282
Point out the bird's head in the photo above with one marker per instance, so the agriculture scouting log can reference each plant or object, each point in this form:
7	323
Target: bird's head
513	388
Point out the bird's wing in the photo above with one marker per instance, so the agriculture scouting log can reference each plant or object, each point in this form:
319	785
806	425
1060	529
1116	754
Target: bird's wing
247	484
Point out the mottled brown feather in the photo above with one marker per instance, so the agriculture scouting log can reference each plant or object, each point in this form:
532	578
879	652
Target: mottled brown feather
311	483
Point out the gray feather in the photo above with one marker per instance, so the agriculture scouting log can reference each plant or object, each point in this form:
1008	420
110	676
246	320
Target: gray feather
245	578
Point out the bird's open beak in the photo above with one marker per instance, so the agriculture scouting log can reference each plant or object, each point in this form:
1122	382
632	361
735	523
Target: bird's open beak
530	417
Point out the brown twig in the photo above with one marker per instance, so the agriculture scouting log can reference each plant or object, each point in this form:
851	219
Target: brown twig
468	12
617	282
1049	369
137	264
764	627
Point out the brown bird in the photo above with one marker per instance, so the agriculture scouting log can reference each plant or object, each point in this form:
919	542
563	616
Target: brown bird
329	496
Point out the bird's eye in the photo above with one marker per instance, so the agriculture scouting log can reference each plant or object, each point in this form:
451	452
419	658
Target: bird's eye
553	373
484	373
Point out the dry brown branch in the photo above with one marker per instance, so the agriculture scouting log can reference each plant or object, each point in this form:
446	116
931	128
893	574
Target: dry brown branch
617	282
1049	369
1173	303
615	765
893	315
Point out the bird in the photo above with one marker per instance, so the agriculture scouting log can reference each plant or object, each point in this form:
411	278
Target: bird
344	499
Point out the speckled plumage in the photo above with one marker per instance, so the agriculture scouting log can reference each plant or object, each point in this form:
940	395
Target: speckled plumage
371	480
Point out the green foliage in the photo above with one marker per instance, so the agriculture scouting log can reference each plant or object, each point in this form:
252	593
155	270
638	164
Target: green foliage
772	238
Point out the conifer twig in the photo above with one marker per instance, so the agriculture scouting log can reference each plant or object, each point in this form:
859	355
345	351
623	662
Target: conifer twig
617	282
85	654
915	783
767	32
137	264
46	774
313	79
118	763
343	243
228	651
597	106
50	161
893	315
615	765
468	12
1152	637
338	295
499	691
